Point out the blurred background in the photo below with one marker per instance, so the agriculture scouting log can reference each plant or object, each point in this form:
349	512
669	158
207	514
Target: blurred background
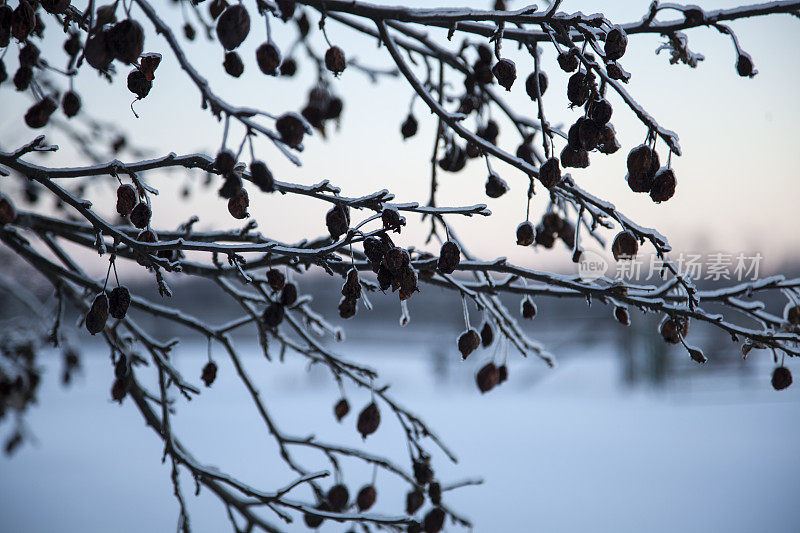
625	435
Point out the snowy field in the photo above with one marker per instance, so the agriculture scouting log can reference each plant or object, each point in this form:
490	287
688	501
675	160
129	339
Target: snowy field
564	450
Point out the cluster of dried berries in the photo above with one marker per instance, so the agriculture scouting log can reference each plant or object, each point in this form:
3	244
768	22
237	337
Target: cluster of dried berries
593	131
489	376
392	264
351	292
115	304
644	174
552	227
322	106
276	310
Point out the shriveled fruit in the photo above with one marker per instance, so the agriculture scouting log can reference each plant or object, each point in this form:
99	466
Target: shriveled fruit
337	497
233	64
209	373
449	257
337	219
98	314
536	85
335	60
276	279
140	215
616	43
434	520
341	409
663	186
528	309
414	500
289	294
550	173
261	176
126	199
525	234
138	84
468	342
488	377
368	420
673	329
506	73
233	26
366	497
273	315
291	129
781	378
495	186
268	58
625	246
118	302
409	127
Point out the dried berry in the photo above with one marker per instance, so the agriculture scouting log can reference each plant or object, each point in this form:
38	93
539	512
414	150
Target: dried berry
396	258
291	129
148	64
126	199
374	249
335	60
568	61
216	7
663	186
22	78
188	31
7	211
268	58
384	277
525	152
138	84
273	315
781	378
502	373
588	134
71	103
454	159
347	308
579	88
407	280
341	409
39	113
97	52
261	176
622	316
23	21
313	521
289	294
525	234
366	497
600	111
434	520
414	500
209	373
489	132
449	257
233	64
29	55
409	127
55	7
140	215
528	309
125	41
98	314
574	157
368	420
337	497
392	220
118	302
233	26
506	72
495	186
119	389
435	493
607	141
231	186
422	471
121	367
487	335
744	65
352	286
468	342
286	8
532	87
488	377
288	67
337	219
673	329
238	204
276	279
225	161
792	312
550	173
625	246
616	43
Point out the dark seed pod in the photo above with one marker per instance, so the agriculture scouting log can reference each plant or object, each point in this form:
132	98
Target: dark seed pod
414	500
97	52
663	187
422	471
233	64
262	177
39	113
552	223
487	378
625	246
303	25
121	367
395	259
138	84
347	308
484	53
468	342
434	520
454	160
22	78
313	521
407	279
574	157
233	26
147	235
672	329
550	173
225	161
607	142
335	60
640	160
588	134
506	72
449	257
489	132
781	378
374	249
98	314
216	7
600	111
352	287
435	493
528	309
71	103
532	87
126	40
392	220
268	58
126	199
368	420
148	64
487	335
23	21
231	186
337	497
333	109
525	152
792	312
209	373
525	234
238	204
288	67
7	211
568	61
289	294
337	220
286	8
495	186
578	88
341	409
409	127
29	55
291	129
744	65
616	43
118	302
641	183
119	390
502	373
384	277
622	316
140	215
366	497
472	150
276	279
273	315
188	31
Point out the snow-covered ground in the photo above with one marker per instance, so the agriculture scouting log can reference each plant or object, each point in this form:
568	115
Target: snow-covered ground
560	450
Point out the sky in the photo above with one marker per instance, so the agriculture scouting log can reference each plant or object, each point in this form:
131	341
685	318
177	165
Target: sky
737	180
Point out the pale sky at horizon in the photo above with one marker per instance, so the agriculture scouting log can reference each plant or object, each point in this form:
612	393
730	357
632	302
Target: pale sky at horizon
738	180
